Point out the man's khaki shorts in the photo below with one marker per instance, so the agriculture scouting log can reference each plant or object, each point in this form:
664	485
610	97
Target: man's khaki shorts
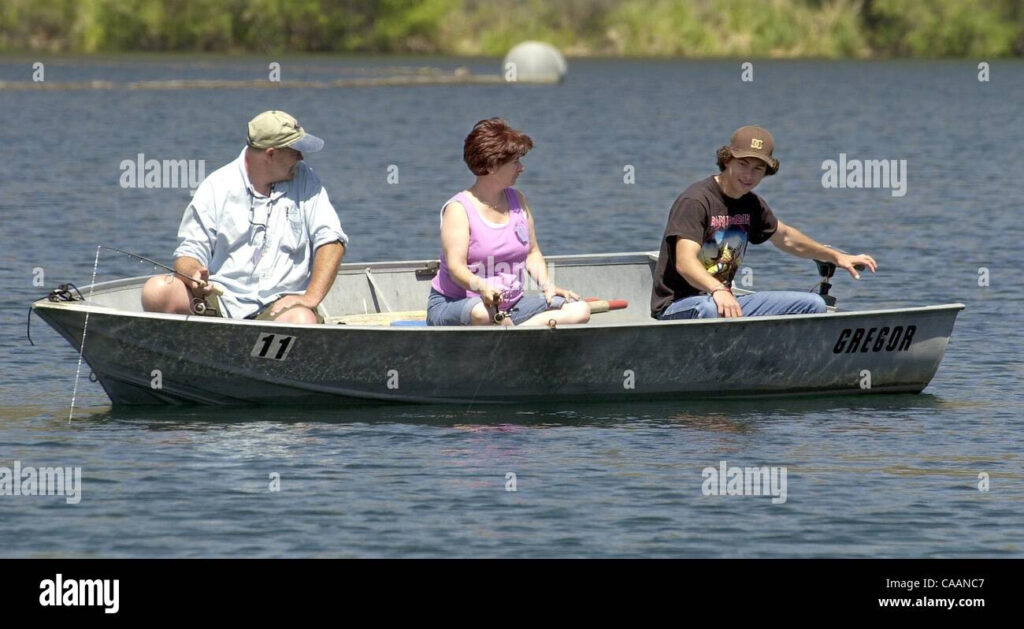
213	310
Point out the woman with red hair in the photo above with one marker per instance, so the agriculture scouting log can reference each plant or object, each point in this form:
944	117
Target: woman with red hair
489	244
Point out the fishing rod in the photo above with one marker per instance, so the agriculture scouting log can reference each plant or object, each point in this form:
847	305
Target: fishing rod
202	283
199	305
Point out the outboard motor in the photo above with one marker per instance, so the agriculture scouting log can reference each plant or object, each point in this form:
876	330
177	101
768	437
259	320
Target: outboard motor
826	270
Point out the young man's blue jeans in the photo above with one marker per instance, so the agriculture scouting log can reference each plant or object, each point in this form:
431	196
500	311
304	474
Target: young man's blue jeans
778	302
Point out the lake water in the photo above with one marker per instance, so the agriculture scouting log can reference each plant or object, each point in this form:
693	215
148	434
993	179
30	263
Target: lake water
874	476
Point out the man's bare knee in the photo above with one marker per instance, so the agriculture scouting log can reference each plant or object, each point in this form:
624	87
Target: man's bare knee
297	314
164	293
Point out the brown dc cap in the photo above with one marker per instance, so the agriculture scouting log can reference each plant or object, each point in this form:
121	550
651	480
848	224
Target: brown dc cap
753	141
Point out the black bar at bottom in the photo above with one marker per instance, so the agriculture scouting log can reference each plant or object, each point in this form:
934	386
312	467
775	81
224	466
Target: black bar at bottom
258	590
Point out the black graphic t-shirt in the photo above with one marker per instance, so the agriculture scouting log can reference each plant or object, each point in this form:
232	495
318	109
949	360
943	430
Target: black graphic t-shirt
721	225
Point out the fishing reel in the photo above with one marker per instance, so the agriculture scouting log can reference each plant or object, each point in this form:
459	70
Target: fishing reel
198	306
499	314
204	305
201	307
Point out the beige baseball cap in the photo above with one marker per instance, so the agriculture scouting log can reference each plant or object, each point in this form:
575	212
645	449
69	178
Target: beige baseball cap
276	129
751	141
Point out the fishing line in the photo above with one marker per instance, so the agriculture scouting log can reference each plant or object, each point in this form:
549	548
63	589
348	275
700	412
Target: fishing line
85	328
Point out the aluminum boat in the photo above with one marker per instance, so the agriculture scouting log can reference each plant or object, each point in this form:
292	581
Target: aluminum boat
373	347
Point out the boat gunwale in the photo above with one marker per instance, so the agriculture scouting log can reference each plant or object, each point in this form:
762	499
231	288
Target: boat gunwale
44	303
354	268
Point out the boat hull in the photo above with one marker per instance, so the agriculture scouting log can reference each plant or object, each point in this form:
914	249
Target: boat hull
146	358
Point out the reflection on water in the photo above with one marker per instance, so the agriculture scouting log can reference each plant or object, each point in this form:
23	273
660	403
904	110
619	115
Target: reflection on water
727	415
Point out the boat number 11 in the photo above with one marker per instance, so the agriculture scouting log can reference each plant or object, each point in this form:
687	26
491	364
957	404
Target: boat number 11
273	346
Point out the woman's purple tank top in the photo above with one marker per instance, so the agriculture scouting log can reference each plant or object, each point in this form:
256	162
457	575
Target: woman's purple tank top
496	253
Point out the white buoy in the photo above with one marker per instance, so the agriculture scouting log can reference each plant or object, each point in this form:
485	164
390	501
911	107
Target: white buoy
534	62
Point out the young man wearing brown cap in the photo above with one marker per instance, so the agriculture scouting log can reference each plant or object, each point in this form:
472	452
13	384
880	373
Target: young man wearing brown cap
708	229
261	228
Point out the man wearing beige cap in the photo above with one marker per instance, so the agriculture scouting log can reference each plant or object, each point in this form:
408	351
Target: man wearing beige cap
261	230
708	229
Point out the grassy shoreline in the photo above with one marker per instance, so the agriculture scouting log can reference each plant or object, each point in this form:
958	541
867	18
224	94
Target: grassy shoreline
699	29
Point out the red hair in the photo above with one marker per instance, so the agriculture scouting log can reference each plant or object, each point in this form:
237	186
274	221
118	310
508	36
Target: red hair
492	143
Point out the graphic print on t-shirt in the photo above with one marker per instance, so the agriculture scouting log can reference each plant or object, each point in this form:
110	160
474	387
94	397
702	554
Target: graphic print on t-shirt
723	249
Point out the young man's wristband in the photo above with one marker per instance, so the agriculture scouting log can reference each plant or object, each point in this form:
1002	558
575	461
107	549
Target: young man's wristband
715	290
